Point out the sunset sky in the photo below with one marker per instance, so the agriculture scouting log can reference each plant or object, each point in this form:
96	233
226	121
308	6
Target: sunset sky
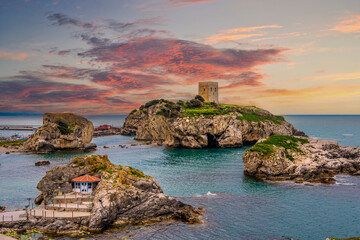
110	56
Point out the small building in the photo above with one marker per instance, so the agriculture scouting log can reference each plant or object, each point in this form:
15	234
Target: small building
103	127
209	91
85	184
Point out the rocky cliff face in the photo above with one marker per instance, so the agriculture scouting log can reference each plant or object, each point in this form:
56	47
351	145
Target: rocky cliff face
62	131
124	196
300	159
204	125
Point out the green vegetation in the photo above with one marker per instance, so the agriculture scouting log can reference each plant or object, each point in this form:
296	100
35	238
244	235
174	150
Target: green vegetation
160	113
280	118
211	109
102	167
194	103
207	112
156	101
253	117
198	107
11	143
268	146
64	128
136	173
200	98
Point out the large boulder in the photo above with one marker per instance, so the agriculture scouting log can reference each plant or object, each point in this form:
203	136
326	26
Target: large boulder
124	195
300	159
62	131
207	125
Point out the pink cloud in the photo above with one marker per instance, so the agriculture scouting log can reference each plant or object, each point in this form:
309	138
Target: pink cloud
238	33
15	56
349	25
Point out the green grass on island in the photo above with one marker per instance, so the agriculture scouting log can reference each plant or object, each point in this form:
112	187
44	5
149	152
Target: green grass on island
249	113
268	146
206	112
253	117
11	143
197	108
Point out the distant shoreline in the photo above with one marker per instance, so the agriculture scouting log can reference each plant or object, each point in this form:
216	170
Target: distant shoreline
124	115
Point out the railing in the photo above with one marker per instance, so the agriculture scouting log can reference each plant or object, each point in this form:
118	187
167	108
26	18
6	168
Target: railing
55	214
13	216
7	217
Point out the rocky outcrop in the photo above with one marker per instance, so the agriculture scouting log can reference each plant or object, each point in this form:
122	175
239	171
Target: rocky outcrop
300	159
62	131
42	163
200	125
124	195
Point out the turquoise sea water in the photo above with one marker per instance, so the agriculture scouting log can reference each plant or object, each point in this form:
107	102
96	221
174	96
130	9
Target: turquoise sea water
237	207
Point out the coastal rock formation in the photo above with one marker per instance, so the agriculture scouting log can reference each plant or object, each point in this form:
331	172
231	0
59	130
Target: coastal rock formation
300	159
42	163
197	124
62	131
124	195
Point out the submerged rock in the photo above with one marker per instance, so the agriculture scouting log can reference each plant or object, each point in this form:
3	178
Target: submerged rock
62	131
204	125
123	196
42	163
300	159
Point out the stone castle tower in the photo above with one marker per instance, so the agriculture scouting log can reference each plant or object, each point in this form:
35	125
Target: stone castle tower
209	91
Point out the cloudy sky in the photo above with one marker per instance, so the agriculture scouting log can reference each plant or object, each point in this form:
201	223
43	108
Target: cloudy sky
111	56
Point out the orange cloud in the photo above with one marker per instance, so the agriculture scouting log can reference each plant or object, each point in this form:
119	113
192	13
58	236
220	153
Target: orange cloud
330	91
15	56
238	33
330	77
333	98
280	36
350	25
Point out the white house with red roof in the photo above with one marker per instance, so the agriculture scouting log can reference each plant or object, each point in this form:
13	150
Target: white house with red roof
85	184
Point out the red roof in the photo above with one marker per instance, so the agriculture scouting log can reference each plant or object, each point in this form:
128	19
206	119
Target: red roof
103	127
86	178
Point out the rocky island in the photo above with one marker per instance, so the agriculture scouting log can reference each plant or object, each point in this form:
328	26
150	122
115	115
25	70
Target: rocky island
300	159
124	195
61	131
200	124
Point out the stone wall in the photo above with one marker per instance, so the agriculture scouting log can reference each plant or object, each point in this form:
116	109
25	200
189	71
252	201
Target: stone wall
209	91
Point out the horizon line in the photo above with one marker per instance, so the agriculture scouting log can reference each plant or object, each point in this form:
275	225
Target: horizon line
27	113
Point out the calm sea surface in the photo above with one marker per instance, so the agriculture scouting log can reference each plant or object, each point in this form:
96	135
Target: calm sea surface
237	207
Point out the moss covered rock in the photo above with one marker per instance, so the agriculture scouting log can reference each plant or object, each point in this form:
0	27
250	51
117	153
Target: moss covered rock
300	159
62	131
204	124
124	195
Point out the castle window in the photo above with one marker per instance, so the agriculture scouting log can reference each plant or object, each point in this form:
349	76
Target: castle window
210	89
